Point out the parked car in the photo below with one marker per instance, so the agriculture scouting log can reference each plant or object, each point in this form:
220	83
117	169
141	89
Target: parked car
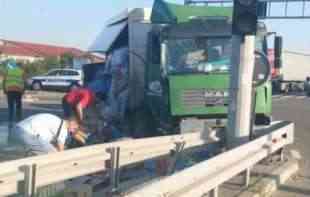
57	79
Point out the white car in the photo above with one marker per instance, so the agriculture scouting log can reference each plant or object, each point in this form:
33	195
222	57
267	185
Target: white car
57	79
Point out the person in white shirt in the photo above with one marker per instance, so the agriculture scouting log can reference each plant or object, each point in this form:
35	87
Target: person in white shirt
46	133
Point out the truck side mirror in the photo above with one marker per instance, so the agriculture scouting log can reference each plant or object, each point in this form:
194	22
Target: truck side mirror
278	45
262	69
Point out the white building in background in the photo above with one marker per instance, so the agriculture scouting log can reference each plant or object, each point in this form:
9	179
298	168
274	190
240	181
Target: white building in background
296	65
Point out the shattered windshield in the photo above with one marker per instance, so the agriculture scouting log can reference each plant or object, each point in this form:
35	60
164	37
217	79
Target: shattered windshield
198	55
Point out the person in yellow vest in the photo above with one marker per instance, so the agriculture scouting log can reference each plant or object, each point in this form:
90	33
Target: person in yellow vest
14	87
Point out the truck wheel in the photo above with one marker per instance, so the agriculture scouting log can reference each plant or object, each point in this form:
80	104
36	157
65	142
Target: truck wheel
276	87
263	120
36	86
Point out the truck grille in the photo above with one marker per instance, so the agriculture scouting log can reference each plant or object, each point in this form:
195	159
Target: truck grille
193	98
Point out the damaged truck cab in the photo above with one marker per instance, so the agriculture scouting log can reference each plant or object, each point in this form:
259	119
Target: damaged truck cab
179	64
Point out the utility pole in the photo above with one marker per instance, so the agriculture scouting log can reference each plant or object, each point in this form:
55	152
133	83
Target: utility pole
241	76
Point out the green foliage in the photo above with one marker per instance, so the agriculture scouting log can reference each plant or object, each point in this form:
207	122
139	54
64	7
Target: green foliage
40	67
66	60
2	69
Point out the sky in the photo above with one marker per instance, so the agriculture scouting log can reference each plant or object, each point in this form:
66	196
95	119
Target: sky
76	23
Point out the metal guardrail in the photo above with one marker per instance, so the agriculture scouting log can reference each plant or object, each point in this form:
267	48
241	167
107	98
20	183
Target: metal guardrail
209	175
26	175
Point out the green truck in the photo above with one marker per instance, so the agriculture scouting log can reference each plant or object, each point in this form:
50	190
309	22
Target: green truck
179	63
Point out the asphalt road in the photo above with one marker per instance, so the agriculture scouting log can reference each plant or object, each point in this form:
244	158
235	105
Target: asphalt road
292	108
31	107
297	110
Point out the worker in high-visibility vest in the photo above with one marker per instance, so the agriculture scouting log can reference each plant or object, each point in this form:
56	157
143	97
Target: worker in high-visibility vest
14	87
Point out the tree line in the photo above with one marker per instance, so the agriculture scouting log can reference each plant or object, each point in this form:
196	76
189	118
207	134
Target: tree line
43	65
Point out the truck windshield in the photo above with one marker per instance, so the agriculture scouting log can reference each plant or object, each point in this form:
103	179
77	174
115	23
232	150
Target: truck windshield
198	55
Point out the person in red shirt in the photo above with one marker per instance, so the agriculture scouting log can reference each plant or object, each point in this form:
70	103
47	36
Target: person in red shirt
75	101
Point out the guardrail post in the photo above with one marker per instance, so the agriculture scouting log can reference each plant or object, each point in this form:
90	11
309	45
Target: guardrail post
247	177
176	154
214	192
30	172
281	152
114	170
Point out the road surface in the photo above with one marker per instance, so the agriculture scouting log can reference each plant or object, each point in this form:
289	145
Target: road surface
32	106
42	104
293	108
296	109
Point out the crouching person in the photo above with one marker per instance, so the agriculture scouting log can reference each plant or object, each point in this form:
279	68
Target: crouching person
46	133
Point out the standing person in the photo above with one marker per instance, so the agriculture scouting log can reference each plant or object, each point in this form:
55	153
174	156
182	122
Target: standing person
75	101
14	87
46	133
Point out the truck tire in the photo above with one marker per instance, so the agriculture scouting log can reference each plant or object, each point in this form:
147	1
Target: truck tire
276	87
263	120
